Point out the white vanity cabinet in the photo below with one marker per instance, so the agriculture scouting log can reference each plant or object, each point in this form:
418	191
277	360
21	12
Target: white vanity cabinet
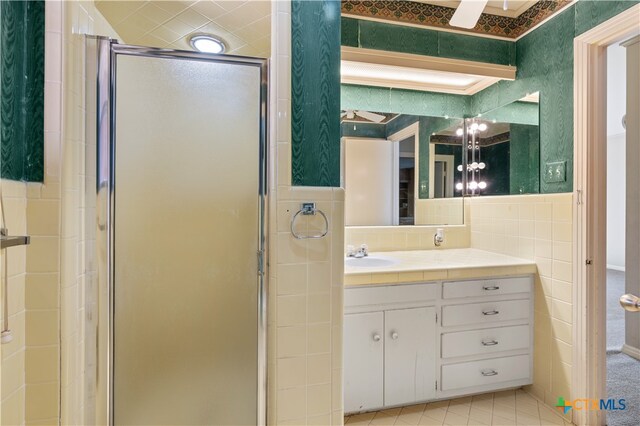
363	361
410	343
409	355
486	335
389	346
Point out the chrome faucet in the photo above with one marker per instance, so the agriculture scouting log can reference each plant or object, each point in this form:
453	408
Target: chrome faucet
363	251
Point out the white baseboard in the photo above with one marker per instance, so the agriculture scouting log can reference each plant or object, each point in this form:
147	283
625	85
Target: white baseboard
631	351
616	267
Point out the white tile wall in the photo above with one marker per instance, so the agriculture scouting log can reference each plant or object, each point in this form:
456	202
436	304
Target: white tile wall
537	227
306	276
36	324
391	238
438	211
54	291
13	354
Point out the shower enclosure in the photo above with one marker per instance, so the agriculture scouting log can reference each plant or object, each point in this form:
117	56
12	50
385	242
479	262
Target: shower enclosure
175	236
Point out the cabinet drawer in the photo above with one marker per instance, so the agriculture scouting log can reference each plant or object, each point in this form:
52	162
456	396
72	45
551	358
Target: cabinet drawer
486	341
386	294
489	287
481	313
485	372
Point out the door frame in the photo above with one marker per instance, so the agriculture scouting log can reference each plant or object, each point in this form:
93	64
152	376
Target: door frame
400	135
449	160
107	51
589	214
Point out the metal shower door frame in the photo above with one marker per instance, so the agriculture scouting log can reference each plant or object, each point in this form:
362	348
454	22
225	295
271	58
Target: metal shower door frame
108	50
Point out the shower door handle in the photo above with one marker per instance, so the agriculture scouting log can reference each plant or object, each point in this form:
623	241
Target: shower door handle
630	303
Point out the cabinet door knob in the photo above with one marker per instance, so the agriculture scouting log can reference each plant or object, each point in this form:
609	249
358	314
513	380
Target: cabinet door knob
394	335
376	337
494	312
488	373
489	342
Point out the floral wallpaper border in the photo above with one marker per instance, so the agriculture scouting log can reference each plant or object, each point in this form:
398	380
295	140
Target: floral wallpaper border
429	15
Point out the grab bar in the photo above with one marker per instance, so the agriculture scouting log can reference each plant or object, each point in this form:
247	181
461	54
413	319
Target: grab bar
309	209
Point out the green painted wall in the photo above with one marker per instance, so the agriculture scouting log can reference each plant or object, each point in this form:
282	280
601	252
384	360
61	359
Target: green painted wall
515	112
496	174
456	151
544	59
22	88
591	13
545	64
398	38
363	130
524	176
315	92
402	101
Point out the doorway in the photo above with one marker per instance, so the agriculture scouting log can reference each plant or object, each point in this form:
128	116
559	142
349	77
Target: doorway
444	176
406	181
590	372
620	359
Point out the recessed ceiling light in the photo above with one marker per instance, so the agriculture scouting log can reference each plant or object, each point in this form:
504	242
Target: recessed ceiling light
207	43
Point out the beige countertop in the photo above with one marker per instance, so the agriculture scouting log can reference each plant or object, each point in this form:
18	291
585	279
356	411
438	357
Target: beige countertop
433	265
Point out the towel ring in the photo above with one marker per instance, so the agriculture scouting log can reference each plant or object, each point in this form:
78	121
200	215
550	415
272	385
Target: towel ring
309	209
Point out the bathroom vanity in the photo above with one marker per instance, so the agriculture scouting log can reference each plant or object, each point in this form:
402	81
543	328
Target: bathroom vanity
436	324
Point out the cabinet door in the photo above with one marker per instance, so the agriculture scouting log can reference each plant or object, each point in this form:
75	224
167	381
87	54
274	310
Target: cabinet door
410	356
363	361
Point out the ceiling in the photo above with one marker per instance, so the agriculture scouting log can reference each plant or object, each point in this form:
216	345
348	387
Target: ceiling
515	8
244	26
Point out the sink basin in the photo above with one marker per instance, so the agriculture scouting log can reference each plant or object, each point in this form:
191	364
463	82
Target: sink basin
371	262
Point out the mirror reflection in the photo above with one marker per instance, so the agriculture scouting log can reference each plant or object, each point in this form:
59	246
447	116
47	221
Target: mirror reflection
503	150
394	175
446	160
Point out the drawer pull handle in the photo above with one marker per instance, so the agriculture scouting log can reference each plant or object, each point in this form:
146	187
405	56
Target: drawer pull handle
489	342
494	312
488	373
376	337
489	288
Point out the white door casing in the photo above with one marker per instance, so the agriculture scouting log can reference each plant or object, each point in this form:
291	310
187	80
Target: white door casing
589	260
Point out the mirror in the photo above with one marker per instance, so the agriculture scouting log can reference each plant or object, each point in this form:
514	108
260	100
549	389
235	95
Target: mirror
503	150
446	160
394	175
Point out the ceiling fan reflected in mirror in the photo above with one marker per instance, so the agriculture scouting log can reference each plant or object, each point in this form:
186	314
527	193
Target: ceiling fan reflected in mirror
469	11
350	114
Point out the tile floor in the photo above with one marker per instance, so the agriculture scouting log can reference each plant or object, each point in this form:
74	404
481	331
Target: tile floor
506	408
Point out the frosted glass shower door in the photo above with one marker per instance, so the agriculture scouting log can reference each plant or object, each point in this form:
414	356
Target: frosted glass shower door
186	236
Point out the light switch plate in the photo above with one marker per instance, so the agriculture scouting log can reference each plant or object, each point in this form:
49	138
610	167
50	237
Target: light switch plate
555	172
